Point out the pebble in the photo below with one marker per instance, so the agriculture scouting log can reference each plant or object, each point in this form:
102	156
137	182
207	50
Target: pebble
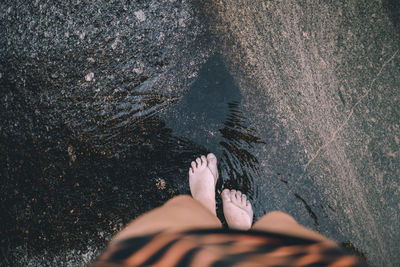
140	15
161	184
89	77
82	35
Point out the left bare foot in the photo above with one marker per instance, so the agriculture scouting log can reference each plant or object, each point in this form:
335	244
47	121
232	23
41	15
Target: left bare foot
203	177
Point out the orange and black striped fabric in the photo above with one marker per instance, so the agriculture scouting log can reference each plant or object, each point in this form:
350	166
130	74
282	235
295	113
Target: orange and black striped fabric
224	247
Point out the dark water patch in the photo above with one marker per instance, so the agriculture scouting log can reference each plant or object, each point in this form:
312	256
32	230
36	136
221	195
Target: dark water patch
81	162
69	189
213	118
204	108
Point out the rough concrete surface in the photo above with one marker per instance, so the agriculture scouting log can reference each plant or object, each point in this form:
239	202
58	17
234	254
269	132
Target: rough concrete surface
105	103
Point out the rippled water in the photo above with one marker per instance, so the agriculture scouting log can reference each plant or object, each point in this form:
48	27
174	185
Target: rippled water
70	188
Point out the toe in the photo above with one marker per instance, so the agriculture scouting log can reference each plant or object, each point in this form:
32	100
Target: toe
239	195
204	160
211	158
198	160
190	170
244	198
194	165
233	195
248	206
226	196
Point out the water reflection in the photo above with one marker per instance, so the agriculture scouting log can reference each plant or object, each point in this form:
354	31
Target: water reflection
238	165
210	114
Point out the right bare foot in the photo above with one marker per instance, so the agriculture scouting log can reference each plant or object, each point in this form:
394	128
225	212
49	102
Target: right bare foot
237	209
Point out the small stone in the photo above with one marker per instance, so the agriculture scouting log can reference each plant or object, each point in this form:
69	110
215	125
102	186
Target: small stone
82	35
140	15
161	37
115	43
138	70
161	184
89	77
194	74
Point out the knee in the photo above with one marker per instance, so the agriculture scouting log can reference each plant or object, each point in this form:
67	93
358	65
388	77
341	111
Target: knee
179	200
279	217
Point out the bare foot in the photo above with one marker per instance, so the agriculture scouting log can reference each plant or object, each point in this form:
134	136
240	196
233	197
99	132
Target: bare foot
237	209
202	182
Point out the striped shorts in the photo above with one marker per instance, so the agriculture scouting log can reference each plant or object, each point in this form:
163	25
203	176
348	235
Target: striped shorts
224	247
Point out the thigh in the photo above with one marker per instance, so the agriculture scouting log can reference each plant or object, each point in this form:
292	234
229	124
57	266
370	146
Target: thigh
280	222
178	214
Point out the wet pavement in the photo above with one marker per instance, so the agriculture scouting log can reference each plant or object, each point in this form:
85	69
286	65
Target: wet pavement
105	103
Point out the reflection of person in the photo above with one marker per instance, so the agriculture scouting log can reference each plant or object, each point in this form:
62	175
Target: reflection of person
186	232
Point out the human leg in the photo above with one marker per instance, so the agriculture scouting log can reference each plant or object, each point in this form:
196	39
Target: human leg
178	214
182	212
239	215
283	223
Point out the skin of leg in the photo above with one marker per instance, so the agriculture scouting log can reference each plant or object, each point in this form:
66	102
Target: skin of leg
178	214
280	222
